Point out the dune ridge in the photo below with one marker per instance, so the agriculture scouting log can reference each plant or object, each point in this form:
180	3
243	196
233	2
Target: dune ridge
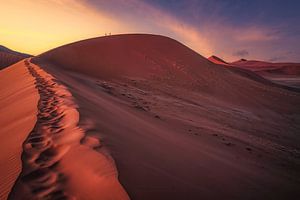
58	160
217	60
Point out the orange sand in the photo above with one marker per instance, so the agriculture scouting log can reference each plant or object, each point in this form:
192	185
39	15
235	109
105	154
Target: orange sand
18	100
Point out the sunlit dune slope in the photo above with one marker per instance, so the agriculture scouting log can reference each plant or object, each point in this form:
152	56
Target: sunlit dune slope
217	60
18	100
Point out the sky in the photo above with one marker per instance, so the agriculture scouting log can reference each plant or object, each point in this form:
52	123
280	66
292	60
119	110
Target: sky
231	29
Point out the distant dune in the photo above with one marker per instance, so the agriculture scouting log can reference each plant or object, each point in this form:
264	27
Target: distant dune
144	117
268	67
287	74
284	74
217	60
9	57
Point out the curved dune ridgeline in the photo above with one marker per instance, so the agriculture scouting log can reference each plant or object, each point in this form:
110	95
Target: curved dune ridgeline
18	100
58	160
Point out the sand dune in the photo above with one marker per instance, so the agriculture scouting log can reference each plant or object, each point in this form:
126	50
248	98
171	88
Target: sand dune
9	57
144	117
18	99
286	75
155	57
177	125
58	160
217	60
268	67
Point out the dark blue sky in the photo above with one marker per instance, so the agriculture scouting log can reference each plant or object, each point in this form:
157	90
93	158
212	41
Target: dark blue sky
237	12
256	29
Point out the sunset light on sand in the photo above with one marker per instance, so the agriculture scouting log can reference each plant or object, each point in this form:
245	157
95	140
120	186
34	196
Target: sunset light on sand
149	100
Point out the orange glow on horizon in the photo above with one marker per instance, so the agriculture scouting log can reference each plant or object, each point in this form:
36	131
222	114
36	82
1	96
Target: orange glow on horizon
36	26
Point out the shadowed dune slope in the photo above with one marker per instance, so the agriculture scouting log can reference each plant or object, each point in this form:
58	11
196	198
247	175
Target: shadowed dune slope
18	100
130	55
179	126
157	58
9	57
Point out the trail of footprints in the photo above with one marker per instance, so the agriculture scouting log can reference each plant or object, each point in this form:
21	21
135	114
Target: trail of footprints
46	144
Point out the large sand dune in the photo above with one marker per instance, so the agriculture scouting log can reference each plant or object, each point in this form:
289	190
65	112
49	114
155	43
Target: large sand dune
177	125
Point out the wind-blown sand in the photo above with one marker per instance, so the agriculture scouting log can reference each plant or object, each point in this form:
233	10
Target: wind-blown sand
18	100
177	125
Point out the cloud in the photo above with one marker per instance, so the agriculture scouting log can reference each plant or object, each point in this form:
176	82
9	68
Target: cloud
57	22
241	53
143	17
276	58
257	34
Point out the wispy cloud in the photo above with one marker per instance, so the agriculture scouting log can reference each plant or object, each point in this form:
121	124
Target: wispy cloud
56	22
256	34
241	53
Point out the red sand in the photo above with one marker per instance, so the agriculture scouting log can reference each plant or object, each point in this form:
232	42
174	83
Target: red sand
284	74
143	116
177	125
217	60
267	67
59	161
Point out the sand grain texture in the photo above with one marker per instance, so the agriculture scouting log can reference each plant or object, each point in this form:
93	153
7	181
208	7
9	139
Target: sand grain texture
58	162
18	100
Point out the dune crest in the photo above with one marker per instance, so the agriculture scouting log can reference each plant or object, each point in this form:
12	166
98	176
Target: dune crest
217	60
58	161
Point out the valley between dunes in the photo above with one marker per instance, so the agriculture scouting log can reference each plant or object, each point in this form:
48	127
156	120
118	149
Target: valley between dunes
144	117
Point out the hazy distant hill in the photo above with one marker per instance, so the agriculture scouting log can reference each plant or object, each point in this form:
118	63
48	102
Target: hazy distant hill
9	57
